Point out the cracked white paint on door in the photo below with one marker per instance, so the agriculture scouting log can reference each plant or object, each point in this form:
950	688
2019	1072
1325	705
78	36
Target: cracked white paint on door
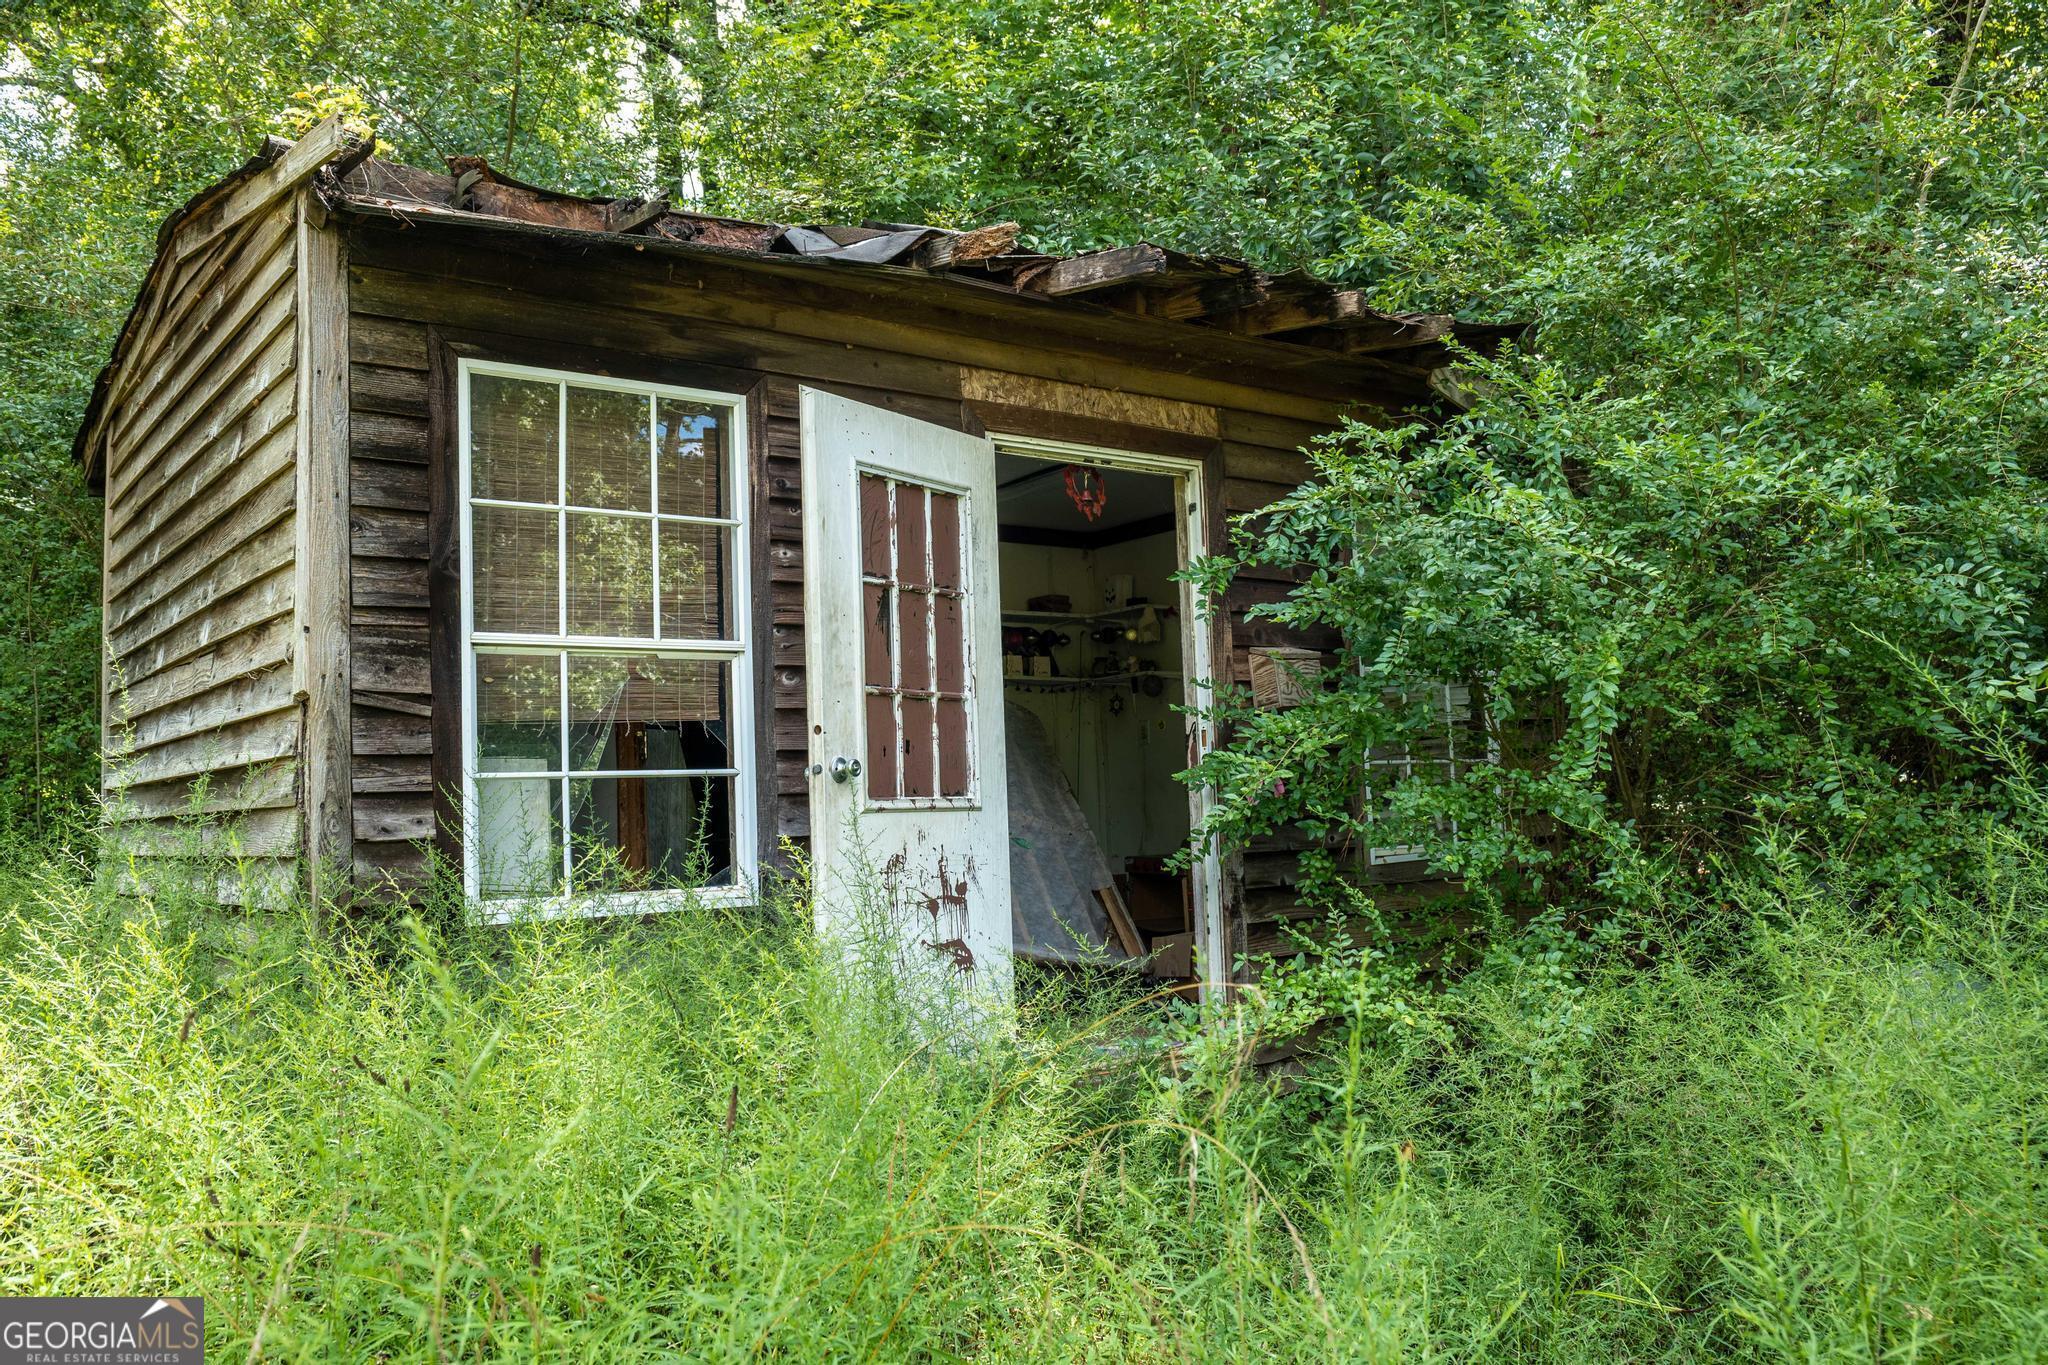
902	630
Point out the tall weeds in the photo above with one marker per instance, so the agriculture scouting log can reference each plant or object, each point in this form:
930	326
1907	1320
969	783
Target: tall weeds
702	1135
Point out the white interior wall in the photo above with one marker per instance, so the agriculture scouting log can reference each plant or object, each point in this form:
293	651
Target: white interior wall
1147	744
1121	766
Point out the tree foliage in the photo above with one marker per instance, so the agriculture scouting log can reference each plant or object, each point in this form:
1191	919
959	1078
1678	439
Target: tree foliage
1754	525
1749	550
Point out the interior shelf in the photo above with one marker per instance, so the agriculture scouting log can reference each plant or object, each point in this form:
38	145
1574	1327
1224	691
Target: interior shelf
1081	618
1105	680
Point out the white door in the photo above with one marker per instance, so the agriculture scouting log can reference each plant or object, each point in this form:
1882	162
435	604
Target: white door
909	797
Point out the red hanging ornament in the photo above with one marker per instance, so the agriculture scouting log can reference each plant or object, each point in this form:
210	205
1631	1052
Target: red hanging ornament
1085	487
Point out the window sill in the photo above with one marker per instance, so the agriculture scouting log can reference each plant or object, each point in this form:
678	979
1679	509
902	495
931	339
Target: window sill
608	905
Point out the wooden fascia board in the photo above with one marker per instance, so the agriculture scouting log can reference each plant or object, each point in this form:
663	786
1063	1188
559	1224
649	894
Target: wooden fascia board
1100	270
329	141
1287	315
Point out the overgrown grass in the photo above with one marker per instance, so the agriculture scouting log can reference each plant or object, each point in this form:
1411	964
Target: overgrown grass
1811	1136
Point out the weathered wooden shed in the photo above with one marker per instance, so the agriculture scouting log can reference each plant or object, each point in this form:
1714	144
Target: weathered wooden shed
593	539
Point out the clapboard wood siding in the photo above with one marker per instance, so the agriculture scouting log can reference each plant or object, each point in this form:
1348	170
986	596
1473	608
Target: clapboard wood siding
205	435
414	291
199	546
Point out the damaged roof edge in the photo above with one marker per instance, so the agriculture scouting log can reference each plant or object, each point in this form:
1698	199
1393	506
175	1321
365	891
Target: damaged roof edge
1292	319
1272	352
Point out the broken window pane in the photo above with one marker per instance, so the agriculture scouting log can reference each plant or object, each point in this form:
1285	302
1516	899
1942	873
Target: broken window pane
651	704
647	711
654	833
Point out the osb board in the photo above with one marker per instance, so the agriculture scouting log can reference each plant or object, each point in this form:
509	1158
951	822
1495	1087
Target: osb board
1004	389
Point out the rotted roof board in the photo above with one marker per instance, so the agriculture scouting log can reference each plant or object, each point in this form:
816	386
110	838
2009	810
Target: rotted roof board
1204	294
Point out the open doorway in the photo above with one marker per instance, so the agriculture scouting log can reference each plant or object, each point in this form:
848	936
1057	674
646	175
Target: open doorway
1099	660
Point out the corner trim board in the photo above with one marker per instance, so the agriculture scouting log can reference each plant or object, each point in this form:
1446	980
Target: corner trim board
320	653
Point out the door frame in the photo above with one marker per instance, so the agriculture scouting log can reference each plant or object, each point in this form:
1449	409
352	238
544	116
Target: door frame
1198	663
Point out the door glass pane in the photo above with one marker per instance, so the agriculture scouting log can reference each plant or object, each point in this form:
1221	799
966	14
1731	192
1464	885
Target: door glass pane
874	527
635	711
513	426
884	746
914	642
949	644
518	833
695	569
691	458
913	567
956	765
876	628
920	748
609	458
515	552
946	548
914	652
651	833
611	575
519	712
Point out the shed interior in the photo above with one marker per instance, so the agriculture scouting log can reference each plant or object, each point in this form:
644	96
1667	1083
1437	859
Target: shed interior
1093	671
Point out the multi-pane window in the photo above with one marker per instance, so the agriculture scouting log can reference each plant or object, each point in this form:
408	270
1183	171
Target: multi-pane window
914	612
606	664
1451	746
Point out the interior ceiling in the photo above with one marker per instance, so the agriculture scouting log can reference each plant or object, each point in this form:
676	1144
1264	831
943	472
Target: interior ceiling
1034	493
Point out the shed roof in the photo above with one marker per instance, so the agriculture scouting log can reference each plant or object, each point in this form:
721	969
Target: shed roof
1217	292
1214	295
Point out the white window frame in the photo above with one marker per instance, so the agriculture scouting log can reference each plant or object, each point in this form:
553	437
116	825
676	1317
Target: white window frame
736	652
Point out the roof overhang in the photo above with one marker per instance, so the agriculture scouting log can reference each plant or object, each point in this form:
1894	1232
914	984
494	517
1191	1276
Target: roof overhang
1208	313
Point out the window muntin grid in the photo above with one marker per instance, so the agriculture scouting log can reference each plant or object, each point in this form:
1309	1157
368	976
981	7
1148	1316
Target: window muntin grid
916	645
602	565
1444	756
